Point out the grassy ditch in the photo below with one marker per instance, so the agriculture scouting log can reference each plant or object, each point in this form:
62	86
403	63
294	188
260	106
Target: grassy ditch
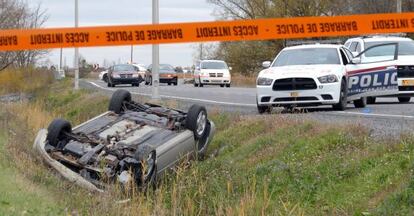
268	165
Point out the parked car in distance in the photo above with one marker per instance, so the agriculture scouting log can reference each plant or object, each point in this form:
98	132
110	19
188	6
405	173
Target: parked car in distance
212	72
123	74
167	74
404	63
130	143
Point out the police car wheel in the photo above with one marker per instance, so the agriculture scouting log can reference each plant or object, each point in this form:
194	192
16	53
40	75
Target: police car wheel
404	99
342	98
360	103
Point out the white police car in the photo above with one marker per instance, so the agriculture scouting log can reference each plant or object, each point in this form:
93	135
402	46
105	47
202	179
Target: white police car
405	62
311	75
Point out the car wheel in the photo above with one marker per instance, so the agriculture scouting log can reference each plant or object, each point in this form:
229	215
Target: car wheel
118	99
196	120
175	83
342	97
264	109
169	83
222	85
404	99
361	103
371	100
105	78
195	84
228	85
199	83
56	131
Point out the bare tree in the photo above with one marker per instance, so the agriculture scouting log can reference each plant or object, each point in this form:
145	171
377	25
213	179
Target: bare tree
16	14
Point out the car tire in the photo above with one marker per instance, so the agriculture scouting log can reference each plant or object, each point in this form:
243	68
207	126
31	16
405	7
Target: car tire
228	85
118	99
361	103
263	109
371	100
105	78
404	99
169	83
222	85
195	84
175	83
341	106
197	120
55	131
200	84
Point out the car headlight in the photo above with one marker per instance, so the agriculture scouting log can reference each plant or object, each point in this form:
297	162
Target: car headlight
262	81
116	76
328	79
135	75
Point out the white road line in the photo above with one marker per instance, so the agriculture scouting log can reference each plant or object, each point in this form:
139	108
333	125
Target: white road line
181	98
377	115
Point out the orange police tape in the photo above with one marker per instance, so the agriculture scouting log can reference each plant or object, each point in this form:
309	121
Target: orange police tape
236	30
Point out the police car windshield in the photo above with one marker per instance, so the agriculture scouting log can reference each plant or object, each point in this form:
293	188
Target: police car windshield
404	48
307	56
213	65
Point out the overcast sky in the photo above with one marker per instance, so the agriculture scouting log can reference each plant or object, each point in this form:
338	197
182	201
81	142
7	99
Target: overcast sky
119	12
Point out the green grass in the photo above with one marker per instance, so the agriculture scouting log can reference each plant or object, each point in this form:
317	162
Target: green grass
18	196
268	165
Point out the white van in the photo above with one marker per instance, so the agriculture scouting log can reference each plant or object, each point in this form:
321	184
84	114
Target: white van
212	72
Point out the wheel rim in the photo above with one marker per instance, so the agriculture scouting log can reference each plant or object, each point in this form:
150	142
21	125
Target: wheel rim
201	123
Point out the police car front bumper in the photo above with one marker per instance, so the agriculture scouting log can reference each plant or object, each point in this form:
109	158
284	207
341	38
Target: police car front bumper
324	94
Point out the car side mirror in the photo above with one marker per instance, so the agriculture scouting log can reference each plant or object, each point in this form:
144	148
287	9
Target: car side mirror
230	68
266	64
356	60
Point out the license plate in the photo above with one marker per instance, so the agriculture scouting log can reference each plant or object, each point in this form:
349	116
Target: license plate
294	94
408	82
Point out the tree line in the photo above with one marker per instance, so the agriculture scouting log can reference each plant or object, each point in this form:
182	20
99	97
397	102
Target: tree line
17	14
246	56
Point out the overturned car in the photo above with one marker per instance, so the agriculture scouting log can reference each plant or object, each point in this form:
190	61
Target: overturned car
132	142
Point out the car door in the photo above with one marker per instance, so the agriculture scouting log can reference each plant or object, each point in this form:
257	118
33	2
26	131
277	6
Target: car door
373	72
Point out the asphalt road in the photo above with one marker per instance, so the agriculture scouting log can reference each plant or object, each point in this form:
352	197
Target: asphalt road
386	117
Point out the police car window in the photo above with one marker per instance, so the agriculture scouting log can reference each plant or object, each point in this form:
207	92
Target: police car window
307	56
379	53
347	44
353	46
404	47
358	48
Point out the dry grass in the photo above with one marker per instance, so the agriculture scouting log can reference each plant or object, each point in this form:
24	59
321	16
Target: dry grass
24	80
243	81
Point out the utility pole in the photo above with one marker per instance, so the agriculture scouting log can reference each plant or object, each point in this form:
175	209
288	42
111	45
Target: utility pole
60	59
201	51
399	6
155	54
132	54
76	48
